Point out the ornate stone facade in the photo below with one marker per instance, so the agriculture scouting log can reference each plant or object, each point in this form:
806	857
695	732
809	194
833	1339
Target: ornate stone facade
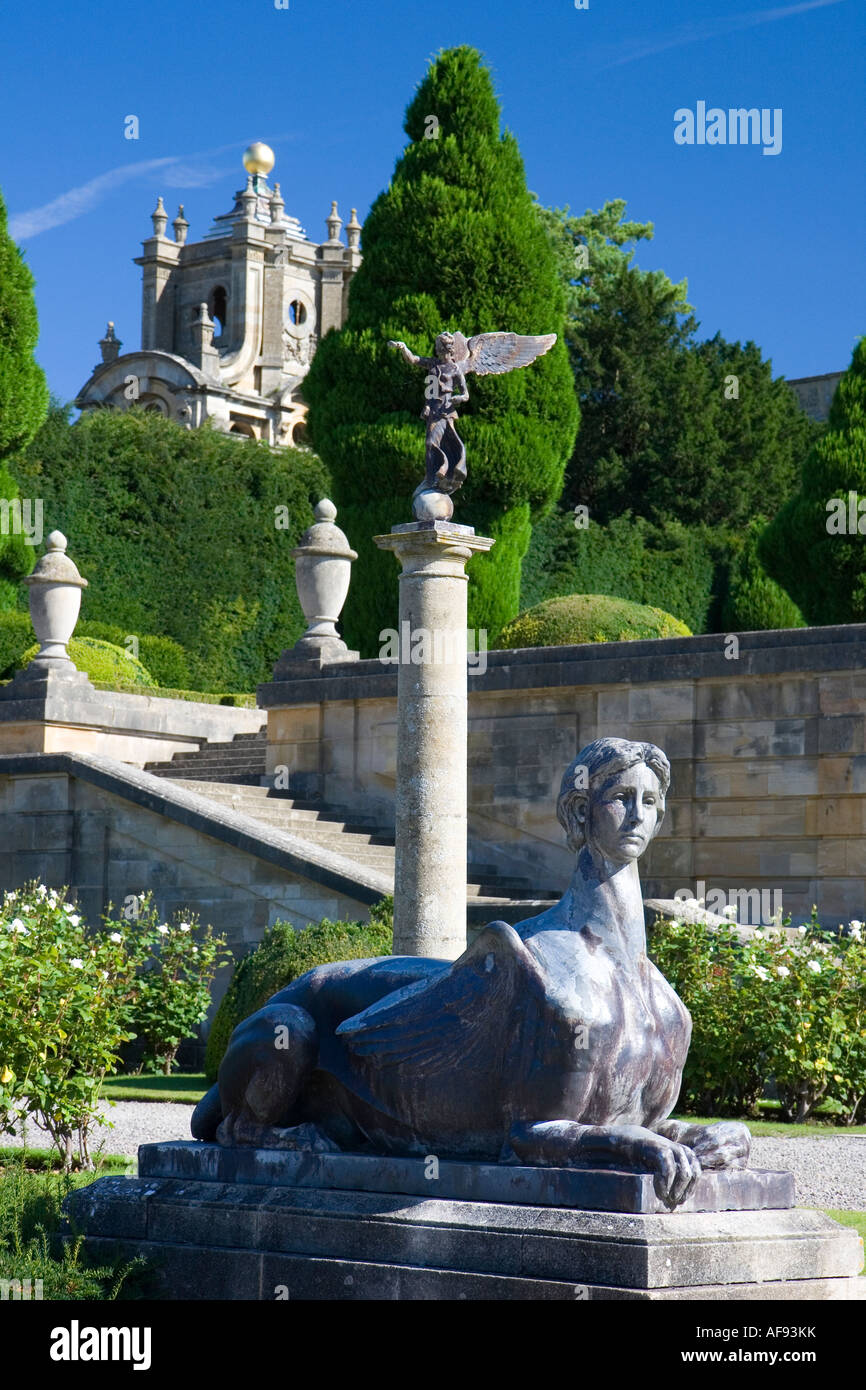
230	323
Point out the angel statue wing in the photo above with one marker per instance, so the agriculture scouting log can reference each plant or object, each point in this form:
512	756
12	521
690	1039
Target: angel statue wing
495	353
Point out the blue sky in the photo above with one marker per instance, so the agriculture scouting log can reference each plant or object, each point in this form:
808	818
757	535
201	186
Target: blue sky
772	246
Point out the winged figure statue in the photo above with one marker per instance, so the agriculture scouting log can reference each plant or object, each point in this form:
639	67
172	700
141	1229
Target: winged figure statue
445	388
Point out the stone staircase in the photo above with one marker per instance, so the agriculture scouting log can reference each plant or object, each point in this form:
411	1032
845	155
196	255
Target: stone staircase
233	775
241	761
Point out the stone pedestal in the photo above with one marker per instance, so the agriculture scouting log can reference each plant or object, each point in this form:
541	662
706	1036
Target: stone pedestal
268	1225
430	874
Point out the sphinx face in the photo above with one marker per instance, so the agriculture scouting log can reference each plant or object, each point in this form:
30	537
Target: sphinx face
623	814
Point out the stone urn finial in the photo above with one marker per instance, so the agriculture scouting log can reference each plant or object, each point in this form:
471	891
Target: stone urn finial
323	568
55	602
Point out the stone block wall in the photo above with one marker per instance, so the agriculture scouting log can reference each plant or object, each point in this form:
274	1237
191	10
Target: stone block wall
768	788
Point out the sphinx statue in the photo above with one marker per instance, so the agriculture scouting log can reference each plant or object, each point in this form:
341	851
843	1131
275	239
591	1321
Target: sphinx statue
556	1042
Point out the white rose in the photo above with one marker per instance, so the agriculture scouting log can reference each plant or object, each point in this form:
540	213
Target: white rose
802	931
814	966
760	971
116	938
77	963
782	970
184	926
74	920
69	907
16	925
105	974
162	930
730	912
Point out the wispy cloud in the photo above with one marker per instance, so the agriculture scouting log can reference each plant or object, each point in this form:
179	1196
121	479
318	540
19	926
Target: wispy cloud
709	29
177	171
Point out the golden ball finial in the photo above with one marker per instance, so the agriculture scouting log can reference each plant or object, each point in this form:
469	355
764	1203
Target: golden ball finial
258	158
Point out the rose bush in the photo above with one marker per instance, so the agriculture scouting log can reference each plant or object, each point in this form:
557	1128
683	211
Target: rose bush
72	995
173	994
64	1012
782	1006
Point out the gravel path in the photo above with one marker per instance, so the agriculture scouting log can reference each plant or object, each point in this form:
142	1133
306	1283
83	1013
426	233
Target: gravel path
135	1122
829	1172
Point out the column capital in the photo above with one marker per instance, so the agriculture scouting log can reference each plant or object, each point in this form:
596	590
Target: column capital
418	544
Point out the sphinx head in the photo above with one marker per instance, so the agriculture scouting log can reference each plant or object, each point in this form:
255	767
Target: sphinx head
612	798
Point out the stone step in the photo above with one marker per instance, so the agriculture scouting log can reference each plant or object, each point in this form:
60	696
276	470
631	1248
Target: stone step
209	771
183	766
255	748
239	778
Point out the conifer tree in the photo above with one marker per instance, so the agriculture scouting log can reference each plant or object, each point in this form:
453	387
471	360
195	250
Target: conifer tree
811	547
453	243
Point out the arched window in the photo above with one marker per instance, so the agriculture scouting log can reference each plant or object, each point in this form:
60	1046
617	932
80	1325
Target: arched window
217	308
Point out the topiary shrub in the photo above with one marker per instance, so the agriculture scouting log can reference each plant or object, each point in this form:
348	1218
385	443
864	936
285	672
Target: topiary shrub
101	661
164	658
454	242
282	956
755	602
165	661
16	635
563	622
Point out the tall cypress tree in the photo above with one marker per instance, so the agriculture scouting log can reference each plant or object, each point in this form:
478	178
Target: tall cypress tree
453	243
809	547
23	397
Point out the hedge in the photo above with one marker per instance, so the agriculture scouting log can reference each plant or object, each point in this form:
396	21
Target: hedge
668	566
185	534
282	956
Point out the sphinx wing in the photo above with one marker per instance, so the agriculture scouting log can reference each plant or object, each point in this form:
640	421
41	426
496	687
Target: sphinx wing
503	352
465	1012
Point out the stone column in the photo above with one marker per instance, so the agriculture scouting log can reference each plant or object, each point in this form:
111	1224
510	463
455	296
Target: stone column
430	870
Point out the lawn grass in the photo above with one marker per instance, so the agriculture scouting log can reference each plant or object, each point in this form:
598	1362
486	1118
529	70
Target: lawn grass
857	1219
778	1129
184	1088
48	1161
187	1088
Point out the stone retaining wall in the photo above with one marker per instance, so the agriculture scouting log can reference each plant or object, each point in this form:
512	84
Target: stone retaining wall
768	791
